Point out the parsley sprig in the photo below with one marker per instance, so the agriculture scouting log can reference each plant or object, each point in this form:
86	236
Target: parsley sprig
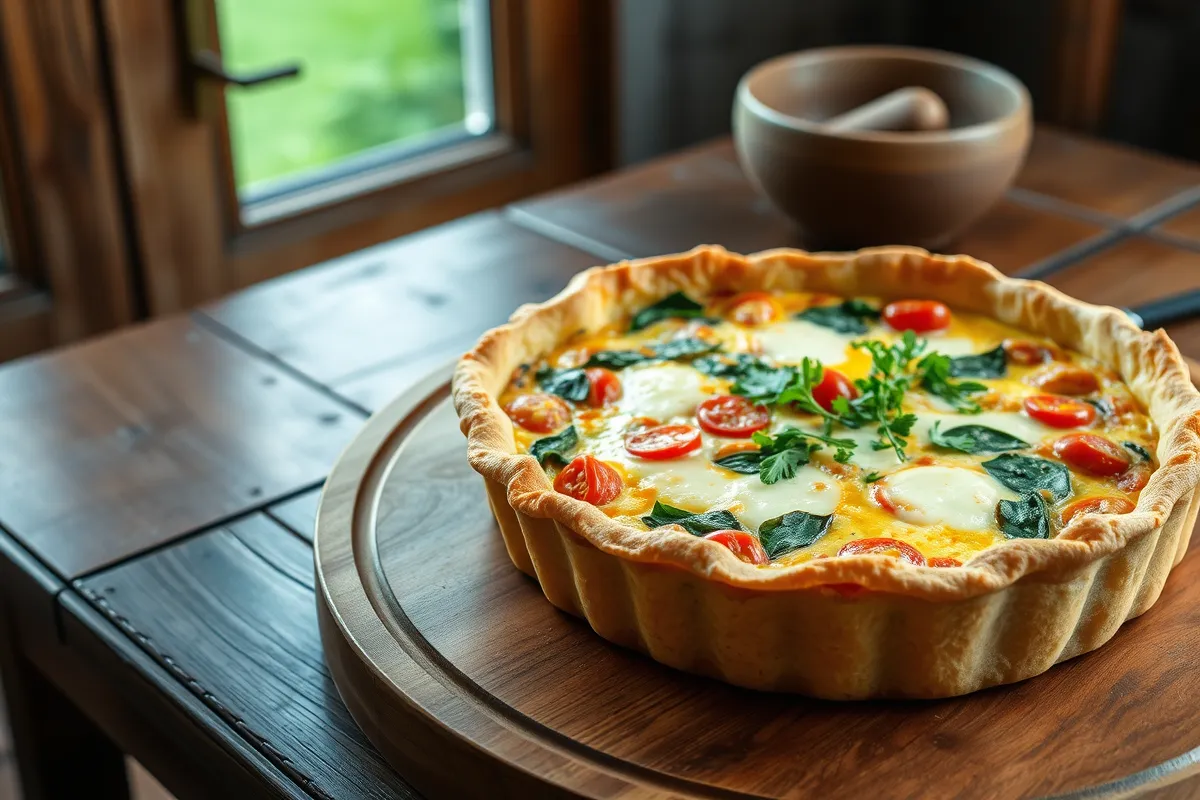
792	448
895	369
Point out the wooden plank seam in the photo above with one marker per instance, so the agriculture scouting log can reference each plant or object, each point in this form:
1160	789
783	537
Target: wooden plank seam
256	740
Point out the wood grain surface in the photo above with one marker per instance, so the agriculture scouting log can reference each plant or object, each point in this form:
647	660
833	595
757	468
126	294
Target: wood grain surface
459	634
232	614
702	196
123	443
426	293
1102	177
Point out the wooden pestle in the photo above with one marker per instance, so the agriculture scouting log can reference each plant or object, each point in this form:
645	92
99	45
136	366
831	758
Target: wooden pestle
913	108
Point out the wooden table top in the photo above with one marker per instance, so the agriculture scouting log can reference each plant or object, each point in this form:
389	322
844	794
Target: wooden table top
158	486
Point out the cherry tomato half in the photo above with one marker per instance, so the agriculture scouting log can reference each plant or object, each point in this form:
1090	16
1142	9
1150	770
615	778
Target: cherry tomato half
589	479
732	416
539	413
1064	379
1059	412
1026	354
604	386
944	561
663	442
1092	454
754	308
888	547
743	545
917	316
833	384
1097	505
1135	478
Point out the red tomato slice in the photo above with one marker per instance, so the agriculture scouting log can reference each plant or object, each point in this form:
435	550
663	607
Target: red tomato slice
732	416
539	413
1135	478
1097	505
604	386
1026	353
589	479
664	442
754	308
1092	454
1065	379
743	545
1059	412
879	495
917	316
944	561
889	547
833	384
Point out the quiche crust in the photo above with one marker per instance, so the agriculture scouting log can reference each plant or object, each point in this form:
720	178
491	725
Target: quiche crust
1010	613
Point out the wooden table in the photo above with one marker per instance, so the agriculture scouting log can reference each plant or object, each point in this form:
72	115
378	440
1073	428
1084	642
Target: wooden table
158	486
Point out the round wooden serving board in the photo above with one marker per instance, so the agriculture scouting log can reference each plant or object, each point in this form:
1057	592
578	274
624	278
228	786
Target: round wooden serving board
473	685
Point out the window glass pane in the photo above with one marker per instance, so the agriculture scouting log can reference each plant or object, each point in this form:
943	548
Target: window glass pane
379	79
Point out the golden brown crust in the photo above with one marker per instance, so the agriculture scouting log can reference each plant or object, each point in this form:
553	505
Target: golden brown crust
1092	544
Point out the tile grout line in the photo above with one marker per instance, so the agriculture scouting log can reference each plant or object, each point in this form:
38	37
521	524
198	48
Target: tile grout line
1173	205
564	235
234	338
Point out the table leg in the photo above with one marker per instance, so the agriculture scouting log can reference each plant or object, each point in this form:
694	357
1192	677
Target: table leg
59	752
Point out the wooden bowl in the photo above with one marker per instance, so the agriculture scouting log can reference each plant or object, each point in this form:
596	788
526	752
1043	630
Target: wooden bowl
849	189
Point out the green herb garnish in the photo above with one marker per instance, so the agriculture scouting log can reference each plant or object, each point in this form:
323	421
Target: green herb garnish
935	373
747	462
679	349
791	448
559	446
992	364
1142	453
975	439
845	317
871	477
569	384
673	306
1027	474
1027	518
796	529
695	524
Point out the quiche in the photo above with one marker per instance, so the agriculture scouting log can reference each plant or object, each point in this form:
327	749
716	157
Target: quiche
883	473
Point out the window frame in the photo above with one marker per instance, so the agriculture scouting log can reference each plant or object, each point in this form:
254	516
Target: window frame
192	243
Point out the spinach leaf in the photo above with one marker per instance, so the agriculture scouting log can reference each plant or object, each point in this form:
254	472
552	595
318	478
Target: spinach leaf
559	446
762	383
1142	453
789	450
677	305
569	384
616	359
1027	474
1027	518
935	378
747	462
695	524
795	529
975	439
728	365
845	317
678	349
991	364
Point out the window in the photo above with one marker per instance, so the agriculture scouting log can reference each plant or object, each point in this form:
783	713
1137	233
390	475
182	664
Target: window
150	161
379	81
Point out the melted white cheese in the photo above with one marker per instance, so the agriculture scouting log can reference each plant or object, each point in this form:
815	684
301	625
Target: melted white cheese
662	391
794	340
953	496
951	345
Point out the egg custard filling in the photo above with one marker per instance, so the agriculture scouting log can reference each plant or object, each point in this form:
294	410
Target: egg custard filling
794	426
